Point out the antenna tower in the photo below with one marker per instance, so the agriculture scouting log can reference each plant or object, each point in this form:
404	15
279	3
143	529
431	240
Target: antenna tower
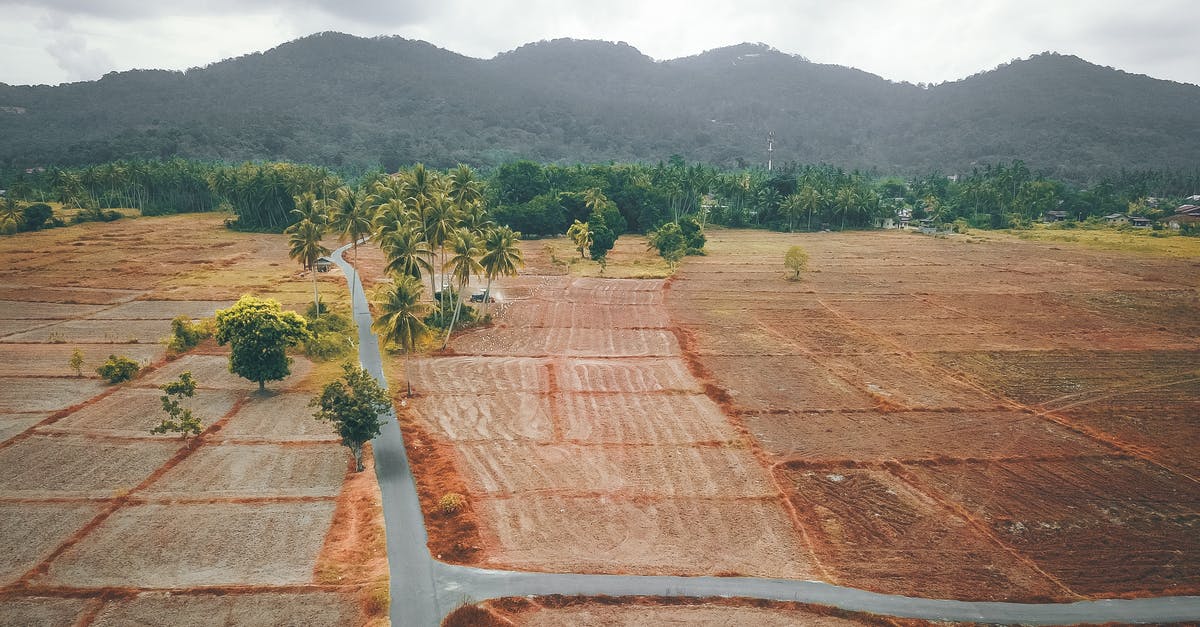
770	148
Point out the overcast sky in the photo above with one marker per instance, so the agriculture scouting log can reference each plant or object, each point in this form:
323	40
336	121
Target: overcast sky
54	41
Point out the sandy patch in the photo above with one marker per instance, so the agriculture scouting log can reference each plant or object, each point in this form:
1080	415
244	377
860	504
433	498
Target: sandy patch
567	534
249	470
162	309
50	360
132	412
73	466
98	332
279	417
41	394
33	530
267	609
14	424
22	612
182	545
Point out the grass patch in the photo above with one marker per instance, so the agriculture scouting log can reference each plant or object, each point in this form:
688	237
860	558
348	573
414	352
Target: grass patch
1141	241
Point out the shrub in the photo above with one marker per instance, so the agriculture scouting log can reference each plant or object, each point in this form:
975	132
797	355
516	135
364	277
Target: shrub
118	368
185	334
452	503
795	260
331	333
36	216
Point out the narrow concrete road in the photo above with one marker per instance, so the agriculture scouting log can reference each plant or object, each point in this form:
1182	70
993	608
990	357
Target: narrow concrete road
424	590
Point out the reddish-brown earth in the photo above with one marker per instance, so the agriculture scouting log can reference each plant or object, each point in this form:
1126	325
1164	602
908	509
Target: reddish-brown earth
258	521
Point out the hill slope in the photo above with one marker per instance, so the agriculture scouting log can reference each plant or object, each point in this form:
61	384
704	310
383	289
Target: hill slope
341	100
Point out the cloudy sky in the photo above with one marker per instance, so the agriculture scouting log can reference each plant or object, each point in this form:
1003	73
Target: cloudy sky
54	41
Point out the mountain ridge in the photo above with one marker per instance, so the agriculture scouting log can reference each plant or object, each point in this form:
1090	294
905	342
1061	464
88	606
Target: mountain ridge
342	100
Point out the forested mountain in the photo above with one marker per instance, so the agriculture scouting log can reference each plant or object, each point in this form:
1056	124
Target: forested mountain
344	101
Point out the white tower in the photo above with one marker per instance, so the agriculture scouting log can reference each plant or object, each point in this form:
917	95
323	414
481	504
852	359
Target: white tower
770	148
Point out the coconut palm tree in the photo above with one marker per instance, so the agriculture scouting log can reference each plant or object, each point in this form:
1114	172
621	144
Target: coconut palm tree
464	187
307	207
501	257
581	234
10	214
304	242
462	265
350	216
400	320
405	251
810	201
439	222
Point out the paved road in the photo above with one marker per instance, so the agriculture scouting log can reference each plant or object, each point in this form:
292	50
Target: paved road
424	590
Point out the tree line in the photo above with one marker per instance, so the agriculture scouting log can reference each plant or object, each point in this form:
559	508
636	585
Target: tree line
538	199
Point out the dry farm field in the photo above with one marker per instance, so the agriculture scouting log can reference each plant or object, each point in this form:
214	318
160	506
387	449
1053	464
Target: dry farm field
255	522
953	417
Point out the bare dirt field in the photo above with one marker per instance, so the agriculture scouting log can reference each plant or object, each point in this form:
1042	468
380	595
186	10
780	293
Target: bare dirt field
589	446
963	417
256	522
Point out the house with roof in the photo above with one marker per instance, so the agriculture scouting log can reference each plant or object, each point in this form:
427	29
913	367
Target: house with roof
1054	216
1140	222
1116	218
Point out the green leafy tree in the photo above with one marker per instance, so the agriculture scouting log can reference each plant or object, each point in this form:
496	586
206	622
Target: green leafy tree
668	239
501	257
400	320
179	418
259	333
353	404
796	261
118	368
693	235
603	239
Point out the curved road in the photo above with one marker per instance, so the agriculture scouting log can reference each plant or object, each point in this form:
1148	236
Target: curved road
424	590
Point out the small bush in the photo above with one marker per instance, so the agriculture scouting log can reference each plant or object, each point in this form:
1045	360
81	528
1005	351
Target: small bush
331	334
452	503
118	368
796	261
185	334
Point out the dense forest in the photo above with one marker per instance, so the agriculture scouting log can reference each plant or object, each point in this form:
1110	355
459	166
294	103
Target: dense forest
358	104
546	199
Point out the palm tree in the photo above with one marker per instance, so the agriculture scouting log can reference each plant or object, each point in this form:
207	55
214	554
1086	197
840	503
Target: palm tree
581	234
350	216
846	200
304	241
595	200
10	214
501	257
463	264
810	201
463	187
405	251
307	207
400	320
791	207
439	222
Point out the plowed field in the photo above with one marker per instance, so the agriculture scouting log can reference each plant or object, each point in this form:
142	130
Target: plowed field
962	418
102	523
586	444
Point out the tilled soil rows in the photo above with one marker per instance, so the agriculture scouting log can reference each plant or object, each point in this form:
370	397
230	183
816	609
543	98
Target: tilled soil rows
962	418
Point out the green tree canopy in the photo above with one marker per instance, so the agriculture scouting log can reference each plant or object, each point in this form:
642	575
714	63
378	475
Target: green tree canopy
259	333
353	404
